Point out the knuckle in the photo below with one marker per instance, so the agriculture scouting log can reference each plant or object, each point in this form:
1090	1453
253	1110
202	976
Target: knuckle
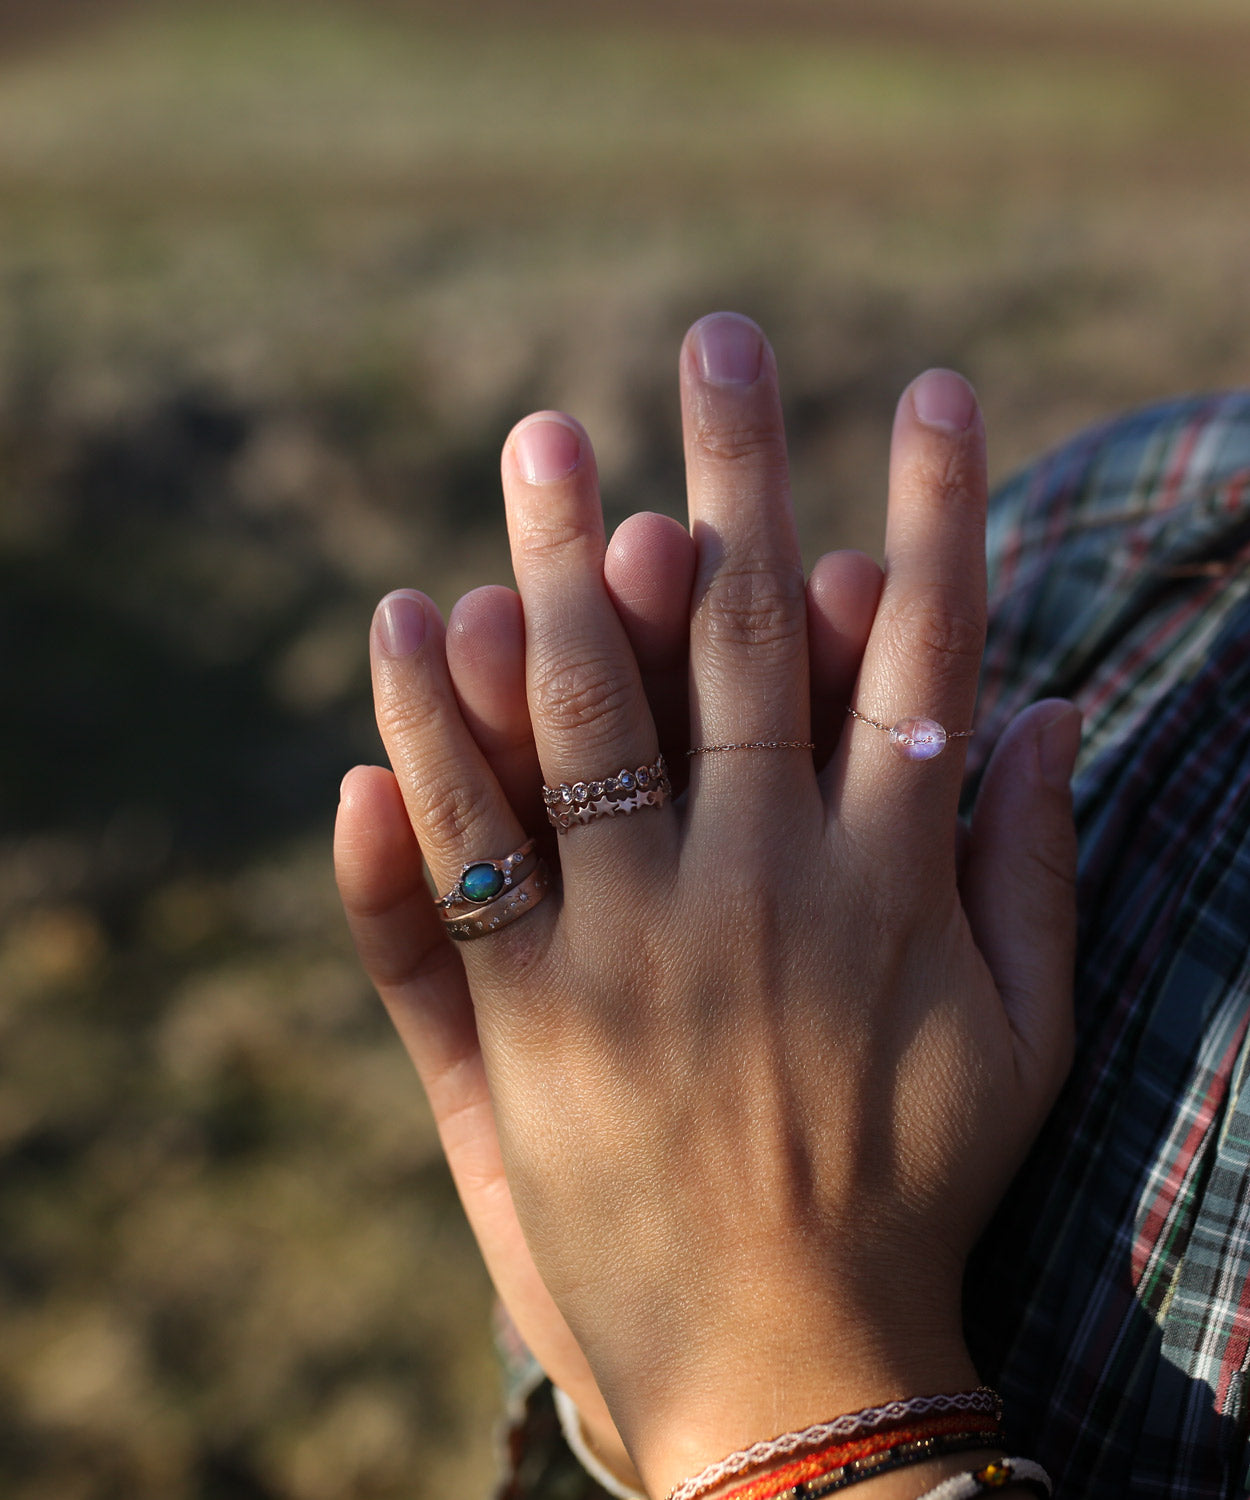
541	535
446	813
754	607
751	443
585	698
959	478
949	634
1056	866
952	476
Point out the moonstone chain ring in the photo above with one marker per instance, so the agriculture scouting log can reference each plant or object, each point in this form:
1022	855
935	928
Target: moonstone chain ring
915	739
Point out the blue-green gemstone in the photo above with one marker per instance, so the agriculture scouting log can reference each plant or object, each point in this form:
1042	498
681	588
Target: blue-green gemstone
481	882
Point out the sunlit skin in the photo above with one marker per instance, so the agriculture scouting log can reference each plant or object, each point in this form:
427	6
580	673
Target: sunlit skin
728	1113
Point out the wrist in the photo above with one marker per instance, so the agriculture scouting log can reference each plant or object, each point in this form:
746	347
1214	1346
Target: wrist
748	1399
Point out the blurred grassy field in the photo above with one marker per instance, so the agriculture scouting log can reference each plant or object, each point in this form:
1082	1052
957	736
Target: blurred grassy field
275	279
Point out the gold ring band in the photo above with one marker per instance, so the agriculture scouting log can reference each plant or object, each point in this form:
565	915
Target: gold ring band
503	910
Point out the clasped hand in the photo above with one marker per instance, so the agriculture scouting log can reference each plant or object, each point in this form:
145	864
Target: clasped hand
728	1110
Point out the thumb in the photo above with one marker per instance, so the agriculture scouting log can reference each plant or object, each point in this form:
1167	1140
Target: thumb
1018	883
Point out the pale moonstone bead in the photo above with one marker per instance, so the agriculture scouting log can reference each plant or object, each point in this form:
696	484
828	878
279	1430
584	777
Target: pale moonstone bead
918	739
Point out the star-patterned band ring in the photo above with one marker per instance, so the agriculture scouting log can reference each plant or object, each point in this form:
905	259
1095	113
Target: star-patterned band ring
916	739
482	880
505	909
571	804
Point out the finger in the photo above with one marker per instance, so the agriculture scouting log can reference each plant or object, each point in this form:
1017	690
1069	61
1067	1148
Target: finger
924	650
587	706
748	635
1018	883
842	595
421	981
486	659
456	807
649	569
398	933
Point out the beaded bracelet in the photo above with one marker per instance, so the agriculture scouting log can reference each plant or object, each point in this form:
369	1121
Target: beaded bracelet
855	1424
995	1476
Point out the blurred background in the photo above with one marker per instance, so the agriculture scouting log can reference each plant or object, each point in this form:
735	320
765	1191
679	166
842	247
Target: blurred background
275	279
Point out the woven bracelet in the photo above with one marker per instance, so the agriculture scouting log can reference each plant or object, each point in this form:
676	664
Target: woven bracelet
800	1474
884	1460
856	1424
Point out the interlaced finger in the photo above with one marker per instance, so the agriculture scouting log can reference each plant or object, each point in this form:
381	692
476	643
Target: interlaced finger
458	812
592	725
904	754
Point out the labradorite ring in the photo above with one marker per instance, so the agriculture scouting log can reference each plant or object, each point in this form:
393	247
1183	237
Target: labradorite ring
484	880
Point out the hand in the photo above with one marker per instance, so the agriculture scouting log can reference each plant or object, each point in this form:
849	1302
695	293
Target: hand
763	1072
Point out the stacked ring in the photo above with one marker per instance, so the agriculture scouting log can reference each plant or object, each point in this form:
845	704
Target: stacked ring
624	792
506	908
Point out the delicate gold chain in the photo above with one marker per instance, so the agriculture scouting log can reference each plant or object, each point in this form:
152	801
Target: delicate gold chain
754	745
951	734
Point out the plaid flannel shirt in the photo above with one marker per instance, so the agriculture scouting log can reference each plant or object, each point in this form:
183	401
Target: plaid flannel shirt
1110	1299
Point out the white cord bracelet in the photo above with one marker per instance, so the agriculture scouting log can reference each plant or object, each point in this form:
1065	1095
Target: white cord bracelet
575	1437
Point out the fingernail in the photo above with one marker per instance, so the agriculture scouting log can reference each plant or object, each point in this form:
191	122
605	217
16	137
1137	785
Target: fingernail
945	400
730	349
1058	741
401	624
547	449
